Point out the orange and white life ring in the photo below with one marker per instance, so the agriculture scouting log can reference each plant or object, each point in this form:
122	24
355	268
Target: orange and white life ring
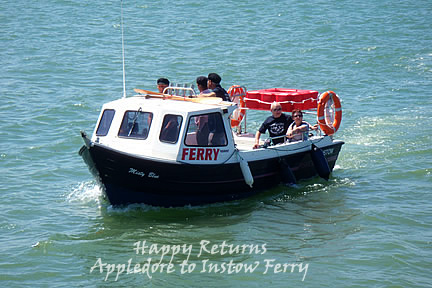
237	94
329	112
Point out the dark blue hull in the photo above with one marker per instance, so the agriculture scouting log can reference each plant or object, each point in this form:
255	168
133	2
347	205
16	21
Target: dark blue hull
128	179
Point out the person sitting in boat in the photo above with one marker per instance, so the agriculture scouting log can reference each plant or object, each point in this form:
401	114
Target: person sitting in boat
162	83
213	84
298	130
201	82
277	124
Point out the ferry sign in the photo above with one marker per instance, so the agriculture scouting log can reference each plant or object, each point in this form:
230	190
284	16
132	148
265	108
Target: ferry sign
200	154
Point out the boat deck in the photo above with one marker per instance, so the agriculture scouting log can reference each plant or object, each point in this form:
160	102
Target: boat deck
245	141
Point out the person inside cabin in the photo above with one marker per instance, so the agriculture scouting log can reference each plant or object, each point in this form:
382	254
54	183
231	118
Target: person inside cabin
216	89
170	129
277	124
298	130
147	126
201	122
162	83
216	135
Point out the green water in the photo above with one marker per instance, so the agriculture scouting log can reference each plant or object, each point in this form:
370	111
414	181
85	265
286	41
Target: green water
368	226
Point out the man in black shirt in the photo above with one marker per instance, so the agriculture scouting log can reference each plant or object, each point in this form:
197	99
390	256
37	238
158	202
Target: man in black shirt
277	125
213	84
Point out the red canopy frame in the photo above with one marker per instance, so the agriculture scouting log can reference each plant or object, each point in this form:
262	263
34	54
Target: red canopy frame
290	99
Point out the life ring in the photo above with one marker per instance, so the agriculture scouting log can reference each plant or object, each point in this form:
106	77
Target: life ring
237	94
328	120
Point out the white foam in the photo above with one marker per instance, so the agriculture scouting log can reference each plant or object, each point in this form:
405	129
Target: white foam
85	192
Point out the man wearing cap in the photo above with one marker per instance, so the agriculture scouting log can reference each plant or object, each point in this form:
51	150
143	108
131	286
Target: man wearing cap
213	84
162	83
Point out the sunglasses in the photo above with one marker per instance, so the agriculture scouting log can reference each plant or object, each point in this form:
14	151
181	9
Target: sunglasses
300	116
277	109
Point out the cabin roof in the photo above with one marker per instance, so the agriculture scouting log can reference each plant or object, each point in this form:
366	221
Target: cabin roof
152	104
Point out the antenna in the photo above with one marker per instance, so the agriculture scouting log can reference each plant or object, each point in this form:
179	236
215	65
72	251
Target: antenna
123	52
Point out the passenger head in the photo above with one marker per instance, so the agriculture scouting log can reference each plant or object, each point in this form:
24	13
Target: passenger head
276	109
213	80
297	115
201	83
162	83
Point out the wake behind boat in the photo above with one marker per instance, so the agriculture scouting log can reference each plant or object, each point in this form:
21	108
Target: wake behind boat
150	149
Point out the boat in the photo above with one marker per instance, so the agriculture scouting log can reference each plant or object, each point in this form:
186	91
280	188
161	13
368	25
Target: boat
148	148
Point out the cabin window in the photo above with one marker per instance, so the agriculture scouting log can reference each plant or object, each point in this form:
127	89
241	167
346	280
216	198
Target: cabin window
136	124
170	128
105	122
206	130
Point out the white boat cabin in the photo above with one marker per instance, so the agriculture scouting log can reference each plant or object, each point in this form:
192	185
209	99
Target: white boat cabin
166	129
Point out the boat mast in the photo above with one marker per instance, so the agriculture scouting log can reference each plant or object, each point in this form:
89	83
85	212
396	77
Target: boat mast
123	52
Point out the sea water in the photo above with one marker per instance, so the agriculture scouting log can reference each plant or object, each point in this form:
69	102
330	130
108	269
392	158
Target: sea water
368	226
